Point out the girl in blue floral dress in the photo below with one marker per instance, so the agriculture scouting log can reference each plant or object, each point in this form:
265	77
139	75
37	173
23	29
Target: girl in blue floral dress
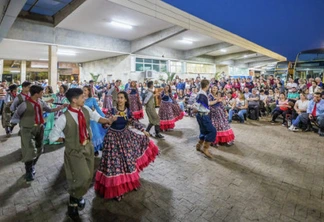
124	155
98	132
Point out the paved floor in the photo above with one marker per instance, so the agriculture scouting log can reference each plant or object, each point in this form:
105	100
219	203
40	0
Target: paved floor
270	174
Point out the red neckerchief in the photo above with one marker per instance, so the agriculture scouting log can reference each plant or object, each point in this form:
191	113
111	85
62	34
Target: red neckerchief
26	96
14	95
82	124
38	111
117	89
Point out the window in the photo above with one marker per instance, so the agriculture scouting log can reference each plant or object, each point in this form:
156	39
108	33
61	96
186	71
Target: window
151	64
200	68
176	67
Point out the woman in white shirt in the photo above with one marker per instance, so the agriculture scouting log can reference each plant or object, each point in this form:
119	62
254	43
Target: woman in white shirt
300	105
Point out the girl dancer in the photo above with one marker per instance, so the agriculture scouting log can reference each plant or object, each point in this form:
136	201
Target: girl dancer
125	153
48	97
169	111
108	100
218	117
135	104
61	99
97	130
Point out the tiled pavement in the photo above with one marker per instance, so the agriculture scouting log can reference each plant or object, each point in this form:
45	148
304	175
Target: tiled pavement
270	174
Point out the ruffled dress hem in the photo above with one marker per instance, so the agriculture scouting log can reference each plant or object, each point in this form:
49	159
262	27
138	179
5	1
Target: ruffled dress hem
113	186
138	114
170	124
224	136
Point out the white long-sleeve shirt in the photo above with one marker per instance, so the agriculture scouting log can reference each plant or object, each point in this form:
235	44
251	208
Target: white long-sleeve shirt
60	123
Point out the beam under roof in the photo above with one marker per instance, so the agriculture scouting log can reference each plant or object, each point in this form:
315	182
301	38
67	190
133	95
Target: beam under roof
11	11
154	38
249	60
66	11
264	63
206	49
232	56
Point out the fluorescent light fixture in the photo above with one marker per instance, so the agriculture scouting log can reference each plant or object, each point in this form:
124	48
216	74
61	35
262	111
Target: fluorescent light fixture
245	56
39	66
43	59
223	50
186	41
67	53
121	25
15	71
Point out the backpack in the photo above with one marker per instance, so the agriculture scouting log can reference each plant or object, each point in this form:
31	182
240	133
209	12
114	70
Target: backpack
252	114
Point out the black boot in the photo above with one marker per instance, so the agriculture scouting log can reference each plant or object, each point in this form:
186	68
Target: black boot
29	176
33	167
73	212
149	128
8	132
80	202
157	132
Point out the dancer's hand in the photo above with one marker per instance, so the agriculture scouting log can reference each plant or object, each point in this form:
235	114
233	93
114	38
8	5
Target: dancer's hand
146	134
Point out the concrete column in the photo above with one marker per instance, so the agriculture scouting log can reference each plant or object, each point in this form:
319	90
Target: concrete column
23	70
1	69
52	67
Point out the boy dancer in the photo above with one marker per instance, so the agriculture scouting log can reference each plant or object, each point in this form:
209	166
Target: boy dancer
20	98
29	115
154	119
79	151
207	130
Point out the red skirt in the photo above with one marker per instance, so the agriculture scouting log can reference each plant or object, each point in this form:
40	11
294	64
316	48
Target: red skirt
124	155
169	113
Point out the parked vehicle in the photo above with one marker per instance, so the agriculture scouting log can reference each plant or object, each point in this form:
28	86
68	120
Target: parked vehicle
309	64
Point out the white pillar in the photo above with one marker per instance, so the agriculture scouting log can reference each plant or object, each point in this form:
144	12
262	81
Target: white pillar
52	67
1	69
23	70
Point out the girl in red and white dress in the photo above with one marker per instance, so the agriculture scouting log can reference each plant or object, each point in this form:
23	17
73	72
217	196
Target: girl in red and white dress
135	104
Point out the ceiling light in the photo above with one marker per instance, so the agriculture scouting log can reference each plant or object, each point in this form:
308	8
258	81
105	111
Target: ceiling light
43	59
121	25
40	66
223	50
15	71
67	53
245	56
186	41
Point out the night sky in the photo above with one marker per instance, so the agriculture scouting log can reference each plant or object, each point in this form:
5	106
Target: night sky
283	26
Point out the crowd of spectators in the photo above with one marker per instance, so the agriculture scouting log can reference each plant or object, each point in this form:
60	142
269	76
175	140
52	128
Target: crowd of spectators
243	98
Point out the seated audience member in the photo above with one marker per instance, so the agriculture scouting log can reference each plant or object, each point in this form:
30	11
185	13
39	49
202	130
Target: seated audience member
239	107
246	93
254	102
300	107
282	108
263	98
315	114
228	101
293	95
270	102
291	84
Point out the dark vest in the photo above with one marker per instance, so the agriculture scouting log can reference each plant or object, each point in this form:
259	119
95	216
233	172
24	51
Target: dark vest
71	130
28	118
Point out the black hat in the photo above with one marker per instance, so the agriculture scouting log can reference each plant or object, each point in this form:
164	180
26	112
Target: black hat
12	87
91	81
